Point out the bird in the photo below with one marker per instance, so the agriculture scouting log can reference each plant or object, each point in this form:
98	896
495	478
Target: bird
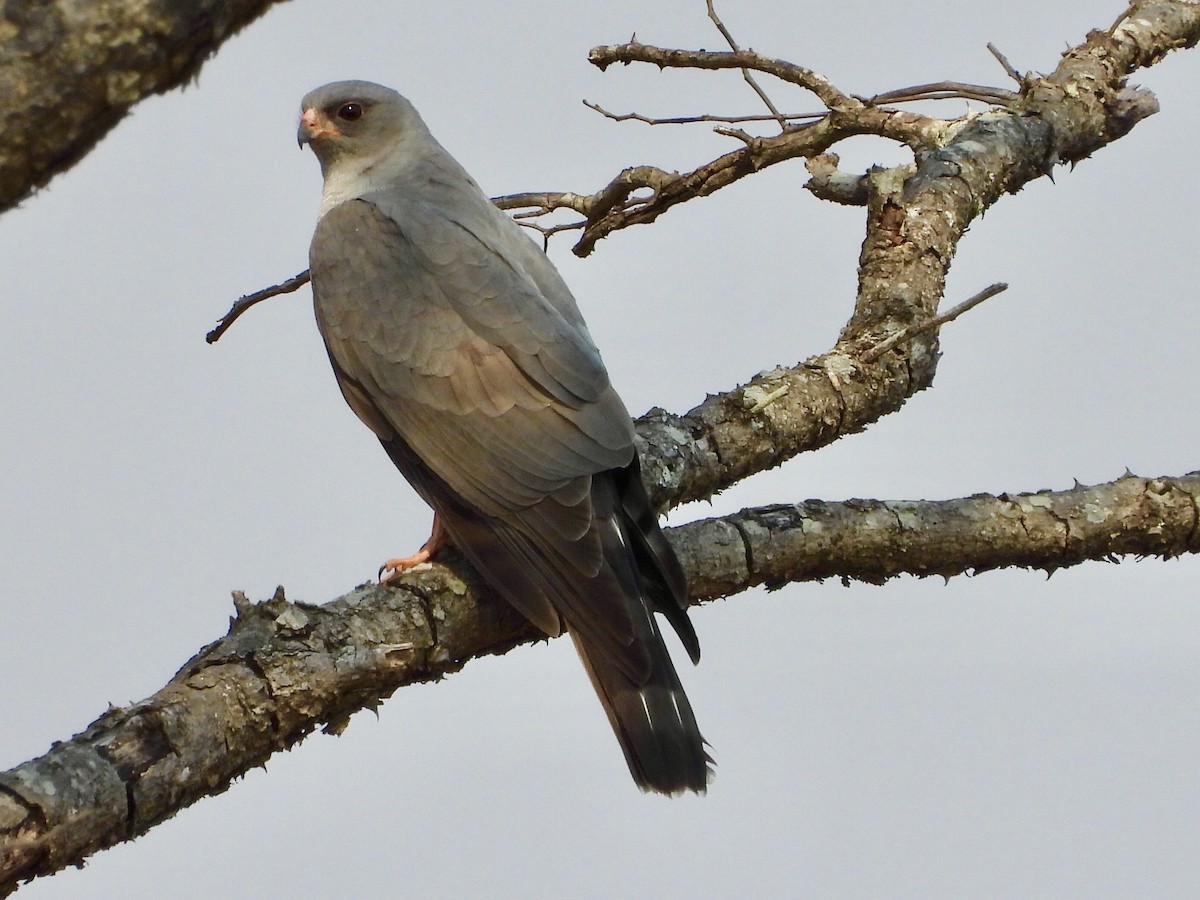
456	341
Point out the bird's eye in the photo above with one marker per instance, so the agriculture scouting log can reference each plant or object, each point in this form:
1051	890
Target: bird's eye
350	112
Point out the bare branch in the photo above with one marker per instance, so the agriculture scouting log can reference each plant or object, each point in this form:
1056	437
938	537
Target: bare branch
946	90
874	540
1007	66
546	201
762	95
286	669
830	183
76	73
245	302
1062	117
688	120
603	57
799	141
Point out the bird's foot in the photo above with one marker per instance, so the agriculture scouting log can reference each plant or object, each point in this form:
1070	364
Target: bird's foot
392	569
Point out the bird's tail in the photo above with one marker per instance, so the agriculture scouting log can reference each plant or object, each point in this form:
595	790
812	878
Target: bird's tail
645	702
653	722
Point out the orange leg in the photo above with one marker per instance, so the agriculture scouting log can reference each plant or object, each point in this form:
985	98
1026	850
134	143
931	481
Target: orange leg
394	568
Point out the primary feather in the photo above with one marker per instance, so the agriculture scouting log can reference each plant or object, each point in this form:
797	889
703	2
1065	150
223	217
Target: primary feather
456	341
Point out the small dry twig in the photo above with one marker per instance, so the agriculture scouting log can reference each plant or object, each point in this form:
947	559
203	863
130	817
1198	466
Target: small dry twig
706	117
604	56
945	90
547	201
936	322
1008	67
244	303
547	231
762	95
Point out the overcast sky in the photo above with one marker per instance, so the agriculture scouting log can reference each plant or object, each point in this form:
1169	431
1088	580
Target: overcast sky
998	736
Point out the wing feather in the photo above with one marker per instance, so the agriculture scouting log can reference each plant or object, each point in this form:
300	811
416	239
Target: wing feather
446	344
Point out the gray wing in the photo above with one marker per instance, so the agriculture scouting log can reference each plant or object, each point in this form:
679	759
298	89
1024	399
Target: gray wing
443	341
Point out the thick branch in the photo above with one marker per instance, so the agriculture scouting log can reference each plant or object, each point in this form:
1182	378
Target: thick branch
286	669
71	71
874	540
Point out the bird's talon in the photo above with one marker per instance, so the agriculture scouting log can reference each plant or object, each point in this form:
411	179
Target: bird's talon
392	569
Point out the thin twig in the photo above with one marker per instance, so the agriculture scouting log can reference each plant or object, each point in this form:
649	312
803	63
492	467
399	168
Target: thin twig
1007	66
945	90
936	322
604	56
546	201
548	231
688	120
748	139
541	203
762	95
244	303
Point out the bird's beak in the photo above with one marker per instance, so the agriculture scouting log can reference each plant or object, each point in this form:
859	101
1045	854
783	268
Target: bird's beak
313	127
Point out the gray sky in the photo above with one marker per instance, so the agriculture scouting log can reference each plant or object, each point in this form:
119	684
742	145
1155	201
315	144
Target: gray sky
996	736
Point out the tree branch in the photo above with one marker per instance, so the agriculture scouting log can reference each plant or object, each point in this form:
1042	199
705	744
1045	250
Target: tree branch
1062	117
246	301
754	85
819	85
71	71
286	669
875	540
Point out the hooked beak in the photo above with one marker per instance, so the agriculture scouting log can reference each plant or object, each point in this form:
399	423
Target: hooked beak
313	127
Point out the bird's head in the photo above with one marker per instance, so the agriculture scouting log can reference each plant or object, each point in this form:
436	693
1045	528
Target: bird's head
355	124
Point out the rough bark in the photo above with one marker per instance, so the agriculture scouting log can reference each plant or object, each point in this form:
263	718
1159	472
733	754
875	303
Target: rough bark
285	669
875	540
71	71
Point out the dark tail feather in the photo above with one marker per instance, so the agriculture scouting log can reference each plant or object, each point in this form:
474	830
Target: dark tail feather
661	575
653	723
630	669
646	705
